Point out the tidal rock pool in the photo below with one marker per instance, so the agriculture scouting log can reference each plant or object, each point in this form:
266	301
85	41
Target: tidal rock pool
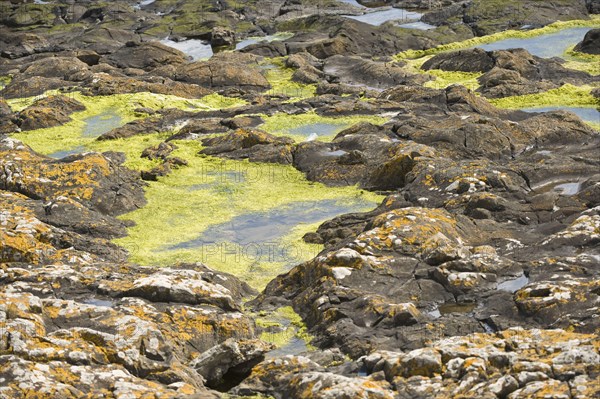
380	16
97	125
514	285
587	114
417	25
258	39
545	46
261	229
197	49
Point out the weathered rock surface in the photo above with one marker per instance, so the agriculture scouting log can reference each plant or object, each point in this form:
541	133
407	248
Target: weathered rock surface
91	179
590	43
515	363
254	145
509	72
48	112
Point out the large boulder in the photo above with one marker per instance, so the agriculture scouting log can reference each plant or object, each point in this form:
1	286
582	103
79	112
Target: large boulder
48	112
590	43
255	145
146	56
224	70
91	179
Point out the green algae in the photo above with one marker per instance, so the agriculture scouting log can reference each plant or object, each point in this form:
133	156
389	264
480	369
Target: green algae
567	95
290	326
285	124
176	213
4	81
443	79
68	136
589	63
280	79
509	34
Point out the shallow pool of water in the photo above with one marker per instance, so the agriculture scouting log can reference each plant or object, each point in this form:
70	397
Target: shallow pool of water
105	303
320	129
380	16
586	114
270	38
449	308
514	285
257	231
417	25
546	46
295	347
97	125
563	187
197	49
66	153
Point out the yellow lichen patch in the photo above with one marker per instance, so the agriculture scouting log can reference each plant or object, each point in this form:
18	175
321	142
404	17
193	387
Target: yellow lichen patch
71	179
412	227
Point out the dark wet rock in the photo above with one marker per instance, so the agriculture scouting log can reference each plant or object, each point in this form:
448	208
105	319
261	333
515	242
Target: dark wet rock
30	15
228	360
509	72
164	169
267	49
61	230
590	43
7	119
358	71
33	86
48	112
134	128
91	179
254	145
472	60
17	45
102	39
146	56
490	17
159	151
103	85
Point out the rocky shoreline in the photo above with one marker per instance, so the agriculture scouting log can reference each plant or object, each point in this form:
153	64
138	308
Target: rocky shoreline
166	224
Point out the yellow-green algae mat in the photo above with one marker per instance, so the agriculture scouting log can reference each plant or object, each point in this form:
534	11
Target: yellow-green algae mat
206	193
191	199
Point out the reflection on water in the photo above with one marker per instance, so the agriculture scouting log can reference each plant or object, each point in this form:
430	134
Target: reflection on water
514	285
546	46
379	17
270	38
586	114
197	49
417	25
97	125
66	153
268	227
320	129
